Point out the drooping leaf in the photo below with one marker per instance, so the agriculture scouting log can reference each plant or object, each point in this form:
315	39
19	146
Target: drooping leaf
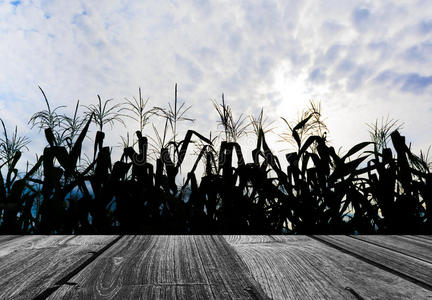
355	149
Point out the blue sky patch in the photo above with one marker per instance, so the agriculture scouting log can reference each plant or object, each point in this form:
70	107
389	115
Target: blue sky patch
416	83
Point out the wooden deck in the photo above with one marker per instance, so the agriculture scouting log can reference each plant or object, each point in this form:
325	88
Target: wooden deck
216	267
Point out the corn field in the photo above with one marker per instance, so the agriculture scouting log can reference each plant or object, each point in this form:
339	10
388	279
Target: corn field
377	186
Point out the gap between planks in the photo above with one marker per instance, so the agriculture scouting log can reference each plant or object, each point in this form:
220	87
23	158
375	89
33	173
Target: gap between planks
299	267
398	263
165	267
31	264
45	294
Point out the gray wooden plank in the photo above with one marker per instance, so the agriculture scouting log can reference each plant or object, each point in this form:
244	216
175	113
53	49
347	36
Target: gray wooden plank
298	267
31	264
417	248
14	242
6	238
248	239
416	238
422	239
165	267
427	237
413	269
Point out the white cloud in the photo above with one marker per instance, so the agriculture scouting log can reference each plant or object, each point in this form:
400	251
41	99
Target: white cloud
363	61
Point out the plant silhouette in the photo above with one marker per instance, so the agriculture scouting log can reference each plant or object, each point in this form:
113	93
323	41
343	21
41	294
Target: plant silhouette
377	186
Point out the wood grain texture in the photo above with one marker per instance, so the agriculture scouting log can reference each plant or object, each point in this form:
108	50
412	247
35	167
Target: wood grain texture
417	248
412	268
165	267
31	264
6	238
249	239
298	267
427	237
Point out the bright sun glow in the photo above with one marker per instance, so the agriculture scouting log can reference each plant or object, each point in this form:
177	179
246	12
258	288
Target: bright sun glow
293	91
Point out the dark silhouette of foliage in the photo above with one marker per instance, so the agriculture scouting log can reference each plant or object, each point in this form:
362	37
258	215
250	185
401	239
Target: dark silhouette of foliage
377	186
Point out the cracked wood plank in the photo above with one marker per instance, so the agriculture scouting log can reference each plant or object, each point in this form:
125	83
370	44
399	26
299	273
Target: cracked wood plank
31	264
413	269
298	267
165	267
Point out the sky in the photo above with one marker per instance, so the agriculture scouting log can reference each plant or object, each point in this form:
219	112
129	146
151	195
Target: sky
363	60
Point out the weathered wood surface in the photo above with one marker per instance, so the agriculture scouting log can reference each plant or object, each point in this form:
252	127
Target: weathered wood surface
165	267
414	247
416	270
298	267
6	238
31	264
216	267
427	237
